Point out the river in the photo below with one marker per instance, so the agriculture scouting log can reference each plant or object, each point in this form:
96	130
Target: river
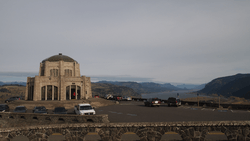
166	95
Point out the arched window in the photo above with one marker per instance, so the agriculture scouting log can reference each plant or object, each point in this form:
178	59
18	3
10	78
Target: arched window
67	93
56	93
30	92
43	93
78	92
49	92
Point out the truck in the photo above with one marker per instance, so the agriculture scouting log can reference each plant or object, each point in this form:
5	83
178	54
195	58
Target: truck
84	109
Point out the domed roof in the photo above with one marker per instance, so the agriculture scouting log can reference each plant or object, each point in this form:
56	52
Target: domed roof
59	57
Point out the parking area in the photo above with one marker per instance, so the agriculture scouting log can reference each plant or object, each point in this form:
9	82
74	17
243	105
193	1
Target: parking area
133	111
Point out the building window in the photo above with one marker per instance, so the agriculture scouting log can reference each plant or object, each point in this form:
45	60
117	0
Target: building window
30	92
42	72
56	93
68	72
49	92
43	93
78	92
54	72
67	93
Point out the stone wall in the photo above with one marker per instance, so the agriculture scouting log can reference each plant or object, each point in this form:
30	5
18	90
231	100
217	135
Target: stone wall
189	131
9	119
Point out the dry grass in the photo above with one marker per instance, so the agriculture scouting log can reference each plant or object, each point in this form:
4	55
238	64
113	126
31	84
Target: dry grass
13	91
223	100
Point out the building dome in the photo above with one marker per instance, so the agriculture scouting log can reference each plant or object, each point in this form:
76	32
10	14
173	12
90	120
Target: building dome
59	57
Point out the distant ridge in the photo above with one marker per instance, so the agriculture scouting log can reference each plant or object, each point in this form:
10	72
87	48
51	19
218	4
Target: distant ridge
144	87
13	83
235	85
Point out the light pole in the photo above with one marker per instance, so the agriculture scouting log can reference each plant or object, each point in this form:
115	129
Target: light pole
219	100
198	99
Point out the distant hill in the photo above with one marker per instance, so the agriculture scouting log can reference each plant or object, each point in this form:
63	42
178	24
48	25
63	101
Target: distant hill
102	89
145	87
202	86
170	86
13	83
235	85
191	86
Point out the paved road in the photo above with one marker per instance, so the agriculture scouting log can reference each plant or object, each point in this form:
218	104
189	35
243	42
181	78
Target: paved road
137	112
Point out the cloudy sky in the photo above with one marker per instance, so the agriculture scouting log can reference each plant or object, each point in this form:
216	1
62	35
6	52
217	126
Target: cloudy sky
188	41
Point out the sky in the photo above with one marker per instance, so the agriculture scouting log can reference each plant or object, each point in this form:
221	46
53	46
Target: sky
184	41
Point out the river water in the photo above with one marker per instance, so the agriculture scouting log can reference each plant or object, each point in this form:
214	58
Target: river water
166	95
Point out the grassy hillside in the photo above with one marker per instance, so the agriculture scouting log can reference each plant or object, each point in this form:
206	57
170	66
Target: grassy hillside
102	89
145	87
9	91
237	85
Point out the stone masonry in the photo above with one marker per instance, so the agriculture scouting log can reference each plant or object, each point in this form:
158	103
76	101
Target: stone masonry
189	131
9	119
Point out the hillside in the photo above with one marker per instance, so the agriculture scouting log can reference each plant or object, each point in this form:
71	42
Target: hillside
145	87
102	89
235	85
9	91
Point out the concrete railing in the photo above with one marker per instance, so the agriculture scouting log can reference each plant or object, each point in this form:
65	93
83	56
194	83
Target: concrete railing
189	131
24	119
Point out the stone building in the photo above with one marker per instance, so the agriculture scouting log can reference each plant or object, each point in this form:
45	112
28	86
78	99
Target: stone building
59	79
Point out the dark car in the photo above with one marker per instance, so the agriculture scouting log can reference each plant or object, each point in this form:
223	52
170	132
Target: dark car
60	110
4	108
40	110
20	109
153	102
13	99
172	101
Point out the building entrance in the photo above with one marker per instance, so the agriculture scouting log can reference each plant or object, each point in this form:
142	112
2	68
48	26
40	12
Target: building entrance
73	92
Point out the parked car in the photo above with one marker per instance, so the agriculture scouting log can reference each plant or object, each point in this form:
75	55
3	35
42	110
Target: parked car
40	110
108	96
60	110
153	102
4	108
13	99
127	98
172	101
117	98
84	109
20	109
96	96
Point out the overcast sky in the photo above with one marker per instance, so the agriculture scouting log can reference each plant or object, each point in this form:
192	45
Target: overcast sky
161	41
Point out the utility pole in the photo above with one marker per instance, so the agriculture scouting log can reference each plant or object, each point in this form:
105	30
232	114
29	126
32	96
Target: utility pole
219	100
198	99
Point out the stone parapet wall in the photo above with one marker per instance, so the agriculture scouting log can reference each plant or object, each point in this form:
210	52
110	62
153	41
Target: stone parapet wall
189	131
9	119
